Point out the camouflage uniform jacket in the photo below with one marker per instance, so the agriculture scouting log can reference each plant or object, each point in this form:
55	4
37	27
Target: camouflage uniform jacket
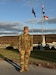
25	42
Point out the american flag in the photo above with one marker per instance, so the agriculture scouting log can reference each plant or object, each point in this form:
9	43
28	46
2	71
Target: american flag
46	17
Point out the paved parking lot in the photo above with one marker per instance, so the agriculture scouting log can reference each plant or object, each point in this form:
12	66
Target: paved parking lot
11	68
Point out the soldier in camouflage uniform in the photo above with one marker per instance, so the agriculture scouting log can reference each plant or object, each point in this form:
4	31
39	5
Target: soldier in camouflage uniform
25	47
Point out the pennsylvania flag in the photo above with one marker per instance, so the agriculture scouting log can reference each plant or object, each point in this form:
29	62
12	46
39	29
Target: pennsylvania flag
43	8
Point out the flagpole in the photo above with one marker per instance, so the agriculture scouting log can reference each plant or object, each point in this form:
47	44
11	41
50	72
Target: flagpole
32	37
32	25
32	34
42	26
43	37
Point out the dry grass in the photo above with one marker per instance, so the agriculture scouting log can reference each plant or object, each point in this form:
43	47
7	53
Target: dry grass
10	54
39	58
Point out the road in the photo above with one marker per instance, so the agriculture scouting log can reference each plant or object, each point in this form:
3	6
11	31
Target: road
11	68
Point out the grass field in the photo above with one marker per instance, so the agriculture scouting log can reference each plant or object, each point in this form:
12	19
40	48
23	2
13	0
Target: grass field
47	55
10	54
38	55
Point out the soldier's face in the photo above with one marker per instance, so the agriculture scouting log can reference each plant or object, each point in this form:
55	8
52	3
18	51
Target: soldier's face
26	31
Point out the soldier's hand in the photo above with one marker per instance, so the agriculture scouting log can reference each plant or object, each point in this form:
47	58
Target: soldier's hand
19	50
31	49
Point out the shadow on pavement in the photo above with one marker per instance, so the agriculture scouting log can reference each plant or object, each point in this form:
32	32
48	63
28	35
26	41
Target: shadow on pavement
17	67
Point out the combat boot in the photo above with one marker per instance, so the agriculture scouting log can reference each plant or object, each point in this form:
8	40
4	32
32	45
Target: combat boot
26	68
22	69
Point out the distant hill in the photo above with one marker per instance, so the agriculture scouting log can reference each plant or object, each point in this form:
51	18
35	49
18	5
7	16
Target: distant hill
49	38
13	40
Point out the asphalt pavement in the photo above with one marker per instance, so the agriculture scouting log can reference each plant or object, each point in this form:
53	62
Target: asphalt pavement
12	68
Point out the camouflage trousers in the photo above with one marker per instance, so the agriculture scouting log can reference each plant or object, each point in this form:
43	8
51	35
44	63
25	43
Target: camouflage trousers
24	57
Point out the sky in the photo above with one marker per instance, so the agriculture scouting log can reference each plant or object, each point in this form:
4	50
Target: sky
15	13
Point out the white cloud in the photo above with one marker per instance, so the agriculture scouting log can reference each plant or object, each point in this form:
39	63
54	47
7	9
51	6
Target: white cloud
52	20
13	29
30	3
7	1
33	21
45	30
8	28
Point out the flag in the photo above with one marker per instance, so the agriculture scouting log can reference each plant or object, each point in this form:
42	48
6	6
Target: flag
43	8
33	12
45	17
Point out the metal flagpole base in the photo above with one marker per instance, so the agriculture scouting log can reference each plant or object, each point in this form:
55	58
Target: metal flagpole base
43	40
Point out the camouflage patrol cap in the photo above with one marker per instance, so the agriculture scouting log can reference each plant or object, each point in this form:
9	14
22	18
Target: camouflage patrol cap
26	27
